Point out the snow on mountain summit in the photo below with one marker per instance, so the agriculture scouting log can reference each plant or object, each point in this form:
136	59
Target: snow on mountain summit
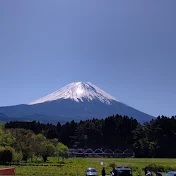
77	91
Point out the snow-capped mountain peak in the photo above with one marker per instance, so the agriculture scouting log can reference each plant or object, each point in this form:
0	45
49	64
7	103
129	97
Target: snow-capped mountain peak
77	91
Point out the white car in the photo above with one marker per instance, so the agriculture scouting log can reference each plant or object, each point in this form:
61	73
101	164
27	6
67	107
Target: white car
171	173
91	172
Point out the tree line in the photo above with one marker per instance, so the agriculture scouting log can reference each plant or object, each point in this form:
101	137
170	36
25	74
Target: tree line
156	138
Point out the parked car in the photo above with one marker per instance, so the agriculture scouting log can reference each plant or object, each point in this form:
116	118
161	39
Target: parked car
121	171
171	173
158	174
91	172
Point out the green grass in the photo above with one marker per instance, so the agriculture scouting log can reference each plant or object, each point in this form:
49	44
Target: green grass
78	165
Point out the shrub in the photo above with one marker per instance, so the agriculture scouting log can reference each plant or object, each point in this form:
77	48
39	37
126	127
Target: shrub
112	165
17	156
158	168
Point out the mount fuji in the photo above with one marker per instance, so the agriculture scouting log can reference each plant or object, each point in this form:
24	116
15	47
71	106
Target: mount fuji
76	101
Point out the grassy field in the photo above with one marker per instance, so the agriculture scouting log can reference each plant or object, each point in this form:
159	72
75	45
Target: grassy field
77	166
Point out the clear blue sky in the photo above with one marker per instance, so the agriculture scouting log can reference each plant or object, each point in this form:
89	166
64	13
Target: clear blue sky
127	48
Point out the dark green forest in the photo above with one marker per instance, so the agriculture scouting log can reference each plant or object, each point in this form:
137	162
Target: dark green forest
156	138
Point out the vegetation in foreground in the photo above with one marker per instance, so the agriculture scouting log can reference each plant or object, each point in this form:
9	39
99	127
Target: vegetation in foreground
20	145
77	166
33	142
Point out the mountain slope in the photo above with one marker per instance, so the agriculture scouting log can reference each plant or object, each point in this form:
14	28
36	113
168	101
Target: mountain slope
78	101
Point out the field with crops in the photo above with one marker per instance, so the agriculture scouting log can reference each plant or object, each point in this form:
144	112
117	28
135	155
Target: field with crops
77	166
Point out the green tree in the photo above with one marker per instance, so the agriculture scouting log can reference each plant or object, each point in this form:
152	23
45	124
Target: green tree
6	139
61	150
23	142
37	145
48	149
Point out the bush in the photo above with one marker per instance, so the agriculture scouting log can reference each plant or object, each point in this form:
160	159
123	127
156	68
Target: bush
158	168
112	165
17	156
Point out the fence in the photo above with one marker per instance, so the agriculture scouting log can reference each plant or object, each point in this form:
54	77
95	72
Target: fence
118	153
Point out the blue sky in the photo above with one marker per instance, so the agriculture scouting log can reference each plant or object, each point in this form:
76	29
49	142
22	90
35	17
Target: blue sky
127	48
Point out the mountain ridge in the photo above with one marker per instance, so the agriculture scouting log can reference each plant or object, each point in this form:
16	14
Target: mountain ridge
76	100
